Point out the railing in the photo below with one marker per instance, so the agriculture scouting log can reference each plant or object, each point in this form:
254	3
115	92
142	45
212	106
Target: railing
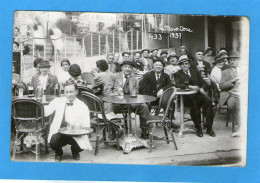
92	44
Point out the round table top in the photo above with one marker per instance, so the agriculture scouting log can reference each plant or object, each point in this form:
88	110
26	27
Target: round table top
185	91
126	99
49	98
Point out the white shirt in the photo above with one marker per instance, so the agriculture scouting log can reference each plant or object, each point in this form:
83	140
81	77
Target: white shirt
157	76
124	79
43	81
216	74
200	63
63	76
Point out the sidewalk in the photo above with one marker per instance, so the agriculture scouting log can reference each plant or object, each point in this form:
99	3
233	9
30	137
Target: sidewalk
192	150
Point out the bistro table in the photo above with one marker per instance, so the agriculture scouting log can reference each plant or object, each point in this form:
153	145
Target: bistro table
183	92
130	141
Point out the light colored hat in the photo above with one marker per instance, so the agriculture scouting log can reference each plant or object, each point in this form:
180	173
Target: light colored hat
183	58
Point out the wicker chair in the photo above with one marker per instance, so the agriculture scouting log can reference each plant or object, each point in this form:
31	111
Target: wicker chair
165	103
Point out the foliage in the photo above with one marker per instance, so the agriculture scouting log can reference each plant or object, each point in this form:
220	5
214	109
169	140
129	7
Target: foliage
66	26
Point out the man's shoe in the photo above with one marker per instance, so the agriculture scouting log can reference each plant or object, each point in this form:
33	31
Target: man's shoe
76	156
58	158
199	133
235	134
211	133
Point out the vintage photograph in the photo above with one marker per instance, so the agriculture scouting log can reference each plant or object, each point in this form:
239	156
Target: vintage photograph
124	88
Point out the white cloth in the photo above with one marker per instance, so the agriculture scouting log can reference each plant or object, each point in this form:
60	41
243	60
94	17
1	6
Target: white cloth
43	81
78	114
63	76
216	74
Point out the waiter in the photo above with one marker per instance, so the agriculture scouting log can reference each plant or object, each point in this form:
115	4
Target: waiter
69	111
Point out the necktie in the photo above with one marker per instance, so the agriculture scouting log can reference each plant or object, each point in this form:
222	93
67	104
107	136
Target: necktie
158	81
69	104
126	85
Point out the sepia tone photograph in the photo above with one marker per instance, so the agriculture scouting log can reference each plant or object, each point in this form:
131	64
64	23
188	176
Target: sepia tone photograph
123	88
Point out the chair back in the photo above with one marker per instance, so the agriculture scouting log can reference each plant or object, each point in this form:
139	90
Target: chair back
81	89
167	96
27	109
164	99
94	103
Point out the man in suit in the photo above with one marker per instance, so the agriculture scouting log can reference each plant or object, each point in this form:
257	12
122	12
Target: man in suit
113	65
138	63
195	82
229	81
147	62
155	82
45	81
154	54
124	80
163	56
72	113
202	66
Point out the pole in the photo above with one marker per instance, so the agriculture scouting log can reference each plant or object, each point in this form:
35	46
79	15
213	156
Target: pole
91	44
99	44
137	39
113	41
74	46
132	42
44	54
65	46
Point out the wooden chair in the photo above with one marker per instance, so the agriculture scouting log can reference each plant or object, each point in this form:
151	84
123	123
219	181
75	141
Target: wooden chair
96	106
28	115
165	103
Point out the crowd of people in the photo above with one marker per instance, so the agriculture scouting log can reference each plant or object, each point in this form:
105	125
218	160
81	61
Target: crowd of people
148	73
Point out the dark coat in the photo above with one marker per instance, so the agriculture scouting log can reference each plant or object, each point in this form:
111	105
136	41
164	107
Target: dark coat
195	79
17	59
50	88
148	85
194	64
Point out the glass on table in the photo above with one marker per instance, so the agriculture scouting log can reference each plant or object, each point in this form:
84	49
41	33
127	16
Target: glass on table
186	82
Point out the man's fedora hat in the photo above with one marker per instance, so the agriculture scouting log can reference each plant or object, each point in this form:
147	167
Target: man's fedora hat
183	58
218	60
172	55
154	49
128	61
145	50
44	63
163	52
125	52
233	54
159	60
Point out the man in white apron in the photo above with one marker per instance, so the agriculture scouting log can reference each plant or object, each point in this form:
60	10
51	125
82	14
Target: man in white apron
69	111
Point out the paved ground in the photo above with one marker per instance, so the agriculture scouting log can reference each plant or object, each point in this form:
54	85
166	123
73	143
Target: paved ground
192	150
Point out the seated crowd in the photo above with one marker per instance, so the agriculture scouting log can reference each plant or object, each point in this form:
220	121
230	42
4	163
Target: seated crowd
158	73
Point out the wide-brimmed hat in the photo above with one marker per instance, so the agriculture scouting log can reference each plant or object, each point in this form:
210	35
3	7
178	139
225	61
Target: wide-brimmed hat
218	60
233	54
200	51
172	55
128	61
74	70
44	63
163	52
145	50
183	58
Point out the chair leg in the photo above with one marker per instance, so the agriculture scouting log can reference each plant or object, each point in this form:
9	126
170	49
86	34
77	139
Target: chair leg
104	134
151	141
173	140
37	146
166	135
15	145
46	145
97	141
117	143
227	118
